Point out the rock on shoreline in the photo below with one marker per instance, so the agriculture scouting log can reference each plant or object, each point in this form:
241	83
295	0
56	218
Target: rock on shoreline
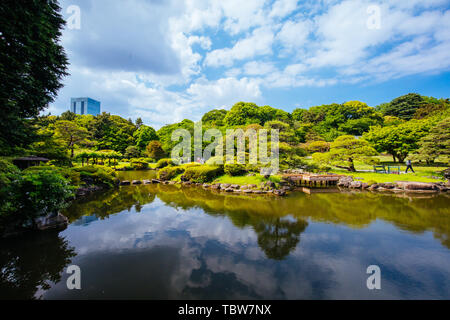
406	186
52	221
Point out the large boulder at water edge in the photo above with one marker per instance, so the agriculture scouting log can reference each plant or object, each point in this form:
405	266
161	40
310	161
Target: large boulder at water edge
406	185
51	221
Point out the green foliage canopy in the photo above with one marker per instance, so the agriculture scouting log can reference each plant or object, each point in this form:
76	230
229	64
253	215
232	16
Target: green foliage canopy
344	151
32	65
398	140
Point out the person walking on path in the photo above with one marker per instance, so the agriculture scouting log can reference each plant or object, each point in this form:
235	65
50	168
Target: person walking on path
409	166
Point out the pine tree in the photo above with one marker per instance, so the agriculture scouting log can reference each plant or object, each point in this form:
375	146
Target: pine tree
436	143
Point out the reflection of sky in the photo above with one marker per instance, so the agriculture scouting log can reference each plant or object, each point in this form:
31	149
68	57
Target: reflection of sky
163	252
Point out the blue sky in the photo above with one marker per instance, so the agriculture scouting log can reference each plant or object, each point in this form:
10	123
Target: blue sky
165	61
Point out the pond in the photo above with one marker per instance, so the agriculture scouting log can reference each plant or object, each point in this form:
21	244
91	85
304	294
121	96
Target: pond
177	242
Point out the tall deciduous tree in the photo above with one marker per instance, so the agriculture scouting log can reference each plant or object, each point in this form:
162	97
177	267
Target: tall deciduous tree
32	64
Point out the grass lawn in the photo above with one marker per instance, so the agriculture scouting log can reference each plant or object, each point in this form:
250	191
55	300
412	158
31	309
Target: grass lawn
423	172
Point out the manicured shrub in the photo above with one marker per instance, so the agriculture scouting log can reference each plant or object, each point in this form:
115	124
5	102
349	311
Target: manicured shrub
139	164
189	165
162	163
97	175
202	174
255	168
234	169
132	152
124	167
168	173
215	161
9	174
43	192
69	173
30	194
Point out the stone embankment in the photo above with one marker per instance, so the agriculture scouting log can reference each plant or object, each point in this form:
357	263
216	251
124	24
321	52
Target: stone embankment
397	186
267	187
270	187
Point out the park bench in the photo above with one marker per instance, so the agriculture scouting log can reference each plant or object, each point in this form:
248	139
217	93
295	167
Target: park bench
379	169
390	169
394	169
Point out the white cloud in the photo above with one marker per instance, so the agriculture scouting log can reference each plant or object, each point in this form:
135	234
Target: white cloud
204	42
282	8
257	44
242	15
225	91
148	58
256	68
294	34
295	76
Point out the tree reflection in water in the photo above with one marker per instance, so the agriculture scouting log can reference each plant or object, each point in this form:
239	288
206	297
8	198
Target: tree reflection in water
28	264
355	210
277	237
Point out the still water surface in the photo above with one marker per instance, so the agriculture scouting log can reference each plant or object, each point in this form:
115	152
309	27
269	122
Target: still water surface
173	242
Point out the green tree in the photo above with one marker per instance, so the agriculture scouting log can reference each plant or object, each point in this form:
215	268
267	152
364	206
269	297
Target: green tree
47	146
214	117
132	152
398	140
70	134
298	113
68	115
267	113
432	106
404	107
243	113
32	65
436	143
154	150
165	133
286	132
113	132
139	123
143	136
317	146
344	151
